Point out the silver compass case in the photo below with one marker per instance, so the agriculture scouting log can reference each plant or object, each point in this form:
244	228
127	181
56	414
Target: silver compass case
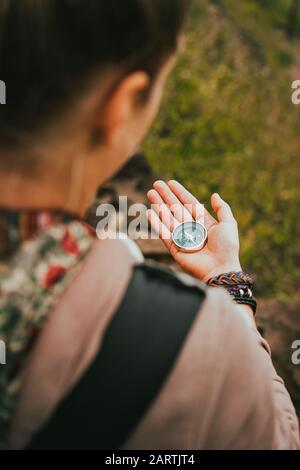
190	236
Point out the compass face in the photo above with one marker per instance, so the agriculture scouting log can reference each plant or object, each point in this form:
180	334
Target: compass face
190	236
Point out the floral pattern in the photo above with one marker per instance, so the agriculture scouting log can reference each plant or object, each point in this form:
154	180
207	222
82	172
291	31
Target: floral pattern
31	282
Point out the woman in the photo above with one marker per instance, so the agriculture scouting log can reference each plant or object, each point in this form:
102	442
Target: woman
103	350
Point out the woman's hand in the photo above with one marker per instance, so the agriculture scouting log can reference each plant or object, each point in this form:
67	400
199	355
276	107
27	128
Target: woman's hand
172	204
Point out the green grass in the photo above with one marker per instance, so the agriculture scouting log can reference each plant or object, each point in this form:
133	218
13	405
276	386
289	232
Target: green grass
227	124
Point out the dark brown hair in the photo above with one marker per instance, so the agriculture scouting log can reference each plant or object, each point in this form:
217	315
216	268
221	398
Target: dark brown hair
50	49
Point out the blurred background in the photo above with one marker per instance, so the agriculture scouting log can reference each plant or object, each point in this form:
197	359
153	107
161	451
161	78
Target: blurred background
227	124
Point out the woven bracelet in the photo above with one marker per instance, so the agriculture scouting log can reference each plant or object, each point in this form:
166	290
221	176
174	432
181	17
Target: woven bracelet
239	285
230	279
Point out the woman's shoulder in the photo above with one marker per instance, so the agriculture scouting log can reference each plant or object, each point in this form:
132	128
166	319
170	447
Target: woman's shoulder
32	279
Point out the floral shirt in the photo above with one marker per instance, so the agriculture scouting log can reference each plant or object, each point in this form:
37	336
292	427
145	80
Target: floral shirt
32	279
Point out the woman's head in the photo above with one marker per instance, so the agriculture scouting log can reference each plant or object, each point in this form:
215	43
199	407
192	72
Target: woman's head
67	60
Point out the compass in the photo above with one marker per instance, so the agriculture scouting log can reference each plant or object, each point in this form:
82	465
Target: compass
190	236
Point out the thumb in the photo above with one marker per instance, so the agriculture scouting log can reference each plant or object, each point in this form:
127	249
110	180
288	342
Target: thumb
222	209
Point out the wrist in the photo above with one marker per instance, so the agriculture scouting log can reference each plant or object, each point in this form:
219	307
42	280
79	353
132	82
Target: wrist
225	268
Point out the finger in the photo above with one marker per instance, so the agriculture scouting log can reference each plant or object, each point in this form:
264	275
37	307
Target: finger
162	210
162	231
192	204
169	198
222	209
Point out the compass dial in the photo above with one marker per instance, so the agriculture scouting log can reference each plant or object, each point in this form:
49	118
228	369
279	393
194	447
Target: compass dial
190	236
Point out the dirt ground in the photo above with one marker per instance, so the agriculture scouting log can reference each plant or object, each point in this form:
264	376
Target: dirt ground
279	322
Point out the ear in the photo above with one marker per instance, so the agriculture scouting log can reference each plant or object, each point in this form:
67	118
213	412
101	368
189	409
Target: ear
122	103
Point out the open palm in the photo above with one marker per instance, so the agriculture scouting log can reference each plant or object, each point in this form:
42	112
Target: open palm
172	204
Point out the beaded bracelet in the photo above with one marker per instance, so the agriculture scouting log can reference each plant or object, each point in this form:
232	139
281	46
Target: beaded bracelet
239	285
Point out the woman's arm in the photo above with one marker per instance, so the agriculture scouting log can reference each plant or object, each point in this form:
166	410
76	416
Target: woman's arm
220	255
172	204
